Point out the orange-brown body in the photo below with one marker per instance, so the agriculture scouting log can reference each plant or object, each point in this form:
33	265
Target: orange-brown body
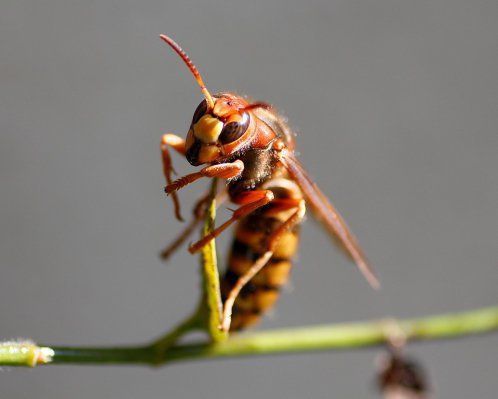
249	145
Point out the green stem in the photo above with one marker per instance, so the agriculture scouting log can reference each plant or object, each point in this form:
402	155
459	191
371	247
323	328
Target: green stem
342	336
102	356
306	339
163	344
210	306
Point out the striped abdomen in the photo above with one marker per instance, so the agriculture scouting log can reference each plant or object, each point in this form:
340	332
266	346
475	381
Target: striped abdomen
250	243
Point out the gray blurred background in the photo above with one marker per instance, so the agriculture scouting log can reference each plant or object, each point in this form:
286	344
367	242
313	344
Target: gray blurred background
395	106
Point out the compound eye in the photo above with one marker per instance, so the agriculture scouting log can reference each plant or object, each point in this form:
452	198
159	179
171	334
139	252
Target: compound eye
199	112
234	130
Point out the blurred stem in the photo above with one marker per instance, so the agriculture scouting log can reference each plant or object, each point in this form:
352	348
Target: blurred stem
306	339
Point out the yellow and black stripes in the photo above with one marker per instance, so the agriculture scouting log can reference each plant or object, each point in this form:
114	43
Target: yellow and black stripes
250	243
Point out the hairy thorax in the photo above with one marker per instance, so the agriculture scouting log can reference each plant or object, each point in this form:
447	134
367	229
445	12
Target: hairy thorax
259	165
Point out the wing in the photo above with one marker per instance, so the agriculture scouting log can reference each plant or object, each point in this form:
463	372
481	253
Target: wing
328	216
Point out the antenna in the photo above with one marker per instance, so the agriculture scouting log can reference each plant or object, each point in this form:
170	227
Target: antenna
183	55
